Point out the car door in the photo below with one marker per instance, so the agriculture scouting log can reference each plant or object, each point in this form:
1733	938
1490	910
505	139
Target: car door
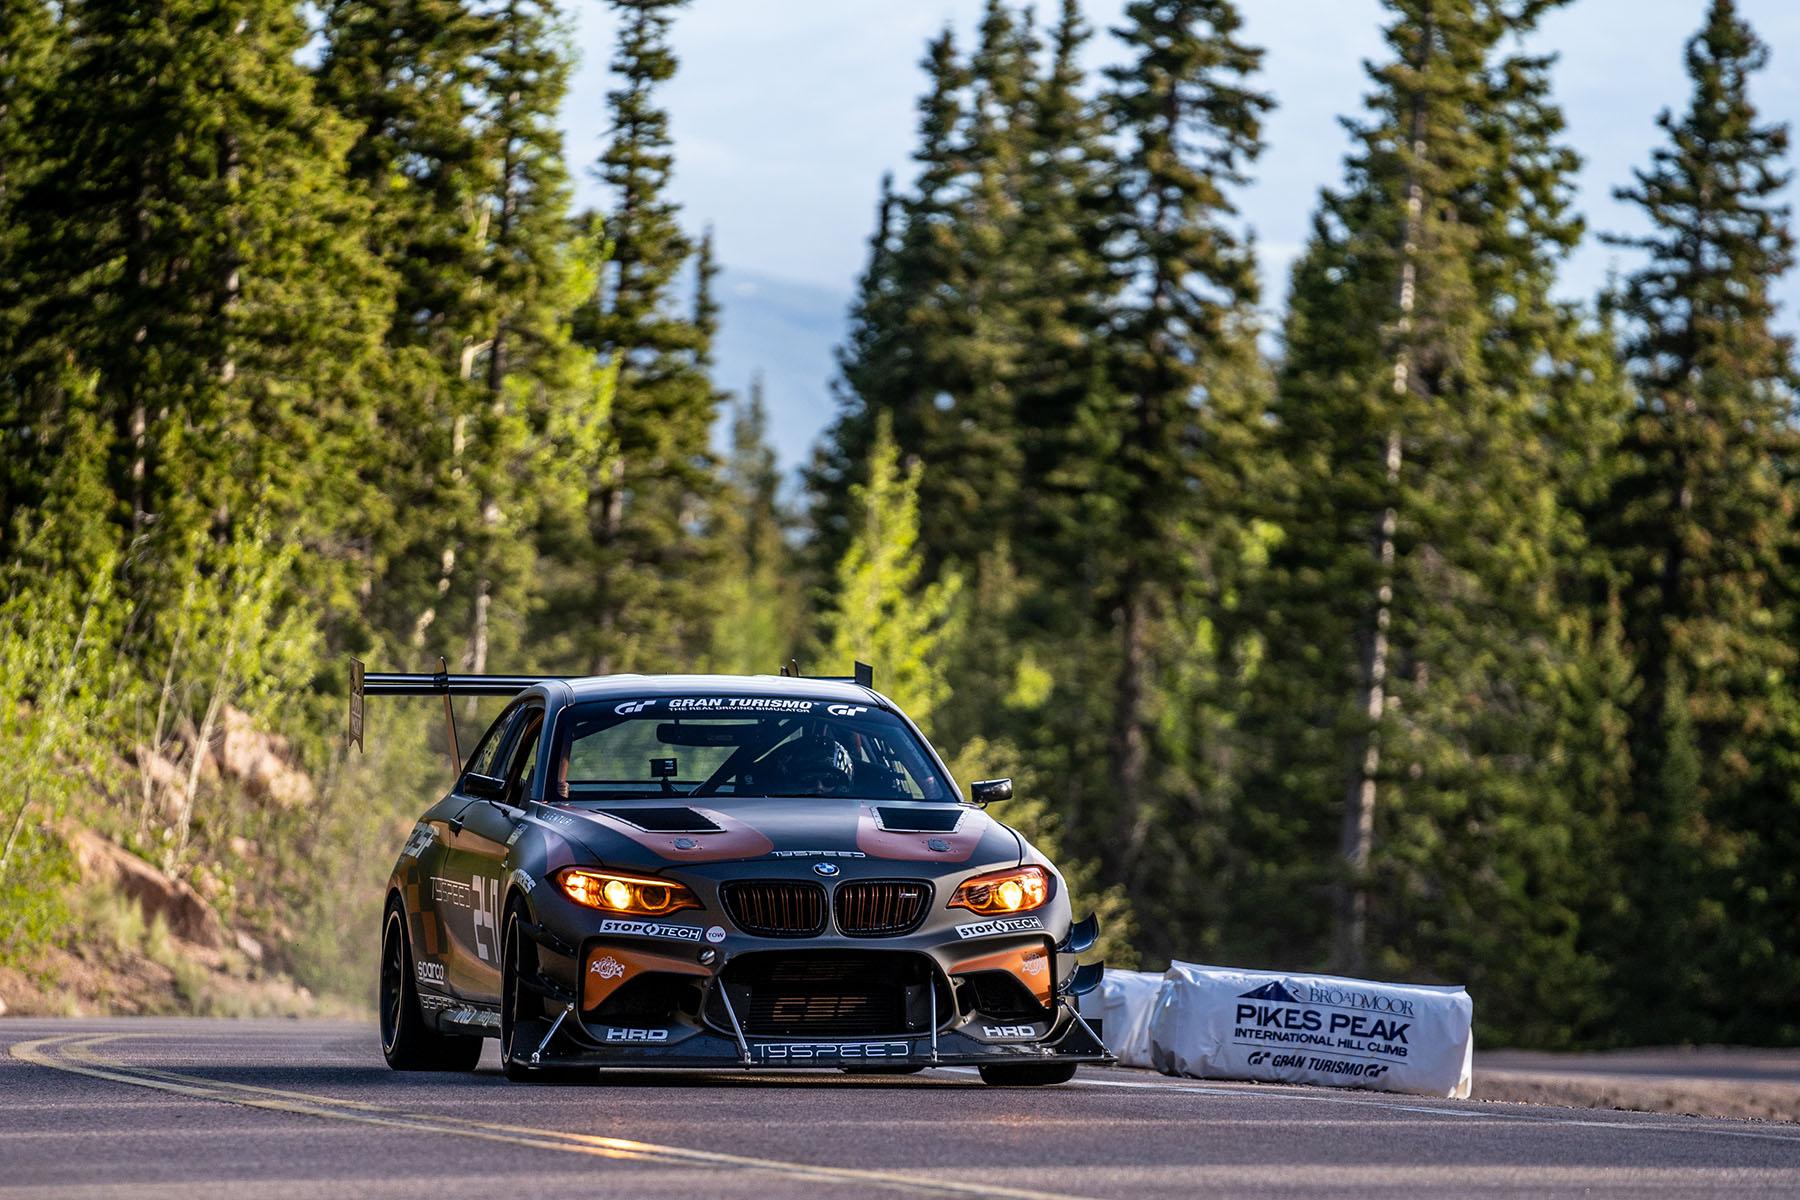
476	842
477	848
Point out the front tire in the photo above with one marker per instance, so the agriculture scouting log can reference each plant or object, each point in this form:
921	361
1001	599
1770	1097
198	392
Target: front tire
406	1042
1027	1074
523	1019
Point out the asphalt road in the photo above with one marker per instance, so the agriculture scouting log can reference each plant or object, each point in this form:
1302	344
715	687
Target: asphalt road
292	1109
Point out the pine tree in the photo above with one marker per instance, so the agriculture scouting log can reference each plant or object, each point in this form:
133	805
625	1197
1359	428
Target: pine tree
529	365
760	607
644	602
887	612
189	250
410	75
1189	125
1433	410
1704	542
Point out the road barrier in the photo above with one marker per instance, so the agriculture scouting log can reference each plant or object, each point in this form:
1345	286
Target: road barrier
1225	1023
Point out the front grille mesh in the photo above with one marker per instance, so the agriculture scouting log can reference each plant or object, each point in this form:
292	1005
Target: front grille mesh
881	907
777	908
827	994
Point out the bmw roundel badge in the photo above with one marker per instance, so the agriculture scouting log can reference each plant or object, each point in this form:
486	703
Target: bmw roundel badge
828	870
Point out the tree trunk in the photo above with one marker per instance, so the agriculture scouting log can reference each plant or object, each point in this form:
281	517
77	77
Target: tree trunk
1358	832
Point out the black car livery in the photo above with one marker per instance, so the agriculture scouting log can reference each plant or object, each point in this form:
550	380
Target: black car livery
713	871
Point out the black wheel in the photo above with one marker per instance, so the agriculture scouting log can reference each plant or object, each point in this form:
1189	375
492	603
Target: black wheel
1027	1074
406	1042
524	1018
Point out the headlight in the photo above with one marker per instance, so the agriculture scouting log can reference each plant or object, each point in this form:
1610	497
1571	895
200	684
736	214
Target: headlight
625	893
1018	890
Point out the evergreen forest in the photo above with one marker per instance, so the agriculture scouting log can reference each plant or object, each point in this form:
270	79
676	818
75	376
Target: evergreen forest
1440	627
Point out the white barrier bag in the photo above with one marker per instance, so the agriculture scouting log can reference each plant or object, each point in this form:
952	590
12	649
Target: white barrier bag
1124	1002
1220	1023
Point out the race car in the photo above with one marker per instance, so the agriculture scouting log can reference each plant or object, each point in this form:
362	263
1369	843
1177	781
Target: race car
707	871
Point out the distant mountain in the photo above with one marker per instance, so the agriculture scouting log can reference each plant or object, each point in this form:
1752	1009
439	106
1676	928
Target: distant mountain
788	331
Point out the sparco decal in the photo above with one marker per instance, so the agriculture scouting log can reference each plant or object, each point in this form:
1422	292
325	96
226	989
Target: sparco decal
635	1035
999	925
430	972
811	1051
679	933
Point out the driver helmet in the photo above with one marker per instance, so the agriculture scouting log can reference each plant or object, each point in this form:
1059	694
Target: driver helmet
814	766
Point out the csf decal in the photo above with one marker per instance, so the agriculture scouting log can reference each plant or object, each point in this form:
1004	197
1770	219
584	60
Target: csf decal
619	1034
652	929
1000	925
420	841
846	710
814	1051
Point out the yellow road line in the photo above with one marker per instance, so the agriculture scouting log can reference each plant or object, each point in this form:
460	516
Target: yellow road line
77	1054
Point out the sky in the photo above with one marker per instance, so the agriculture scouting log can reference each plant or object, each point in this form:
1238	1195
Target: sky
785	114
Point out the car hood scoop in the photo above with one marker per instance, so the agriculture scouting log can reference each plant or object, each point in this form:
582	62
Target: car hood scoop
663	820
919	820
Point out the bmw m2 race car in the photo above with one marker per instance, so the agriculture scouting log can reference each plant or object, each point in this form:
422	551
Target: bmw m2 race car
718	872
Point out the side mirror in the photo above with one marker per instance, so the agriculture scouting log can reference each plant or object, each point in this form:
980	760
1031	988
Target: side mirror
986	791
485	786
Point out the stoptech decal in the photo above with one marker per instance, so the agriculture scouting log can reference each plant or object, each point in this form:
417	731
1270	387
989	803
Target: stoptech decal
1000	925
837	1051
652	929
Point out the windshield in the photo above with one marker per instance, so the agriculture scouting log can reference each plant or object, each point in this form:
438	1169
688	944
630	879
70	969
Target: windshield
739	746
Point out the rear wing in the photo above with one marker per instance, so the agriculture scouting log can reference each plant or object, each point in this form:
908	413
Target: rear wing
442	683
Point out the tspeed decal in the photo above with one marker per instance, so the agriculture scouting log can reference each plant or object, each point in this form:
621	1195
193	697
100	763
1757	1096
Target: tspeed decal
999	925
814	1051
654	929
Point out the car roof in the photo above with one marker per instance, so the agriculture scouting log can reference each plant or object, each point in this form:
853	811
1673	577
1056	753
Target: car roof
606	687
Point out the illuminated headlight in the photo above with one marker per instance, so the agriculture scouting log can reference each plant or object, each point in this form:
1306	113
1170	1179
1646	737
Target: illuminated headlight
625	893
1020	889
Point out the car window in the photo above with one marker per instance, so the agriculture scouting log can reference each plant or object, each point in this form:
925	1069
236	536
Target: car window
524	757
741	746
482	762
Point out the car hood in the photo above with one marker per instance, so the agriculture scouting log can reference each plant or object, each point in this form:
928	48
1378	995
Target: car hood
656	835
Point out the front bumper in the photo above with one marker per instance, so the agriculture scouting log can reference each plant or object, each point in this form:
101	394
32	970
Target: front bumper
692	1046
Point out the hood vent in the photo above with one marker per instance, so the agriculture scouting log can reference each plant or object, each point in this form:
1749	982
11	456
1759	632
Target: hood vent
663	820
919	820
